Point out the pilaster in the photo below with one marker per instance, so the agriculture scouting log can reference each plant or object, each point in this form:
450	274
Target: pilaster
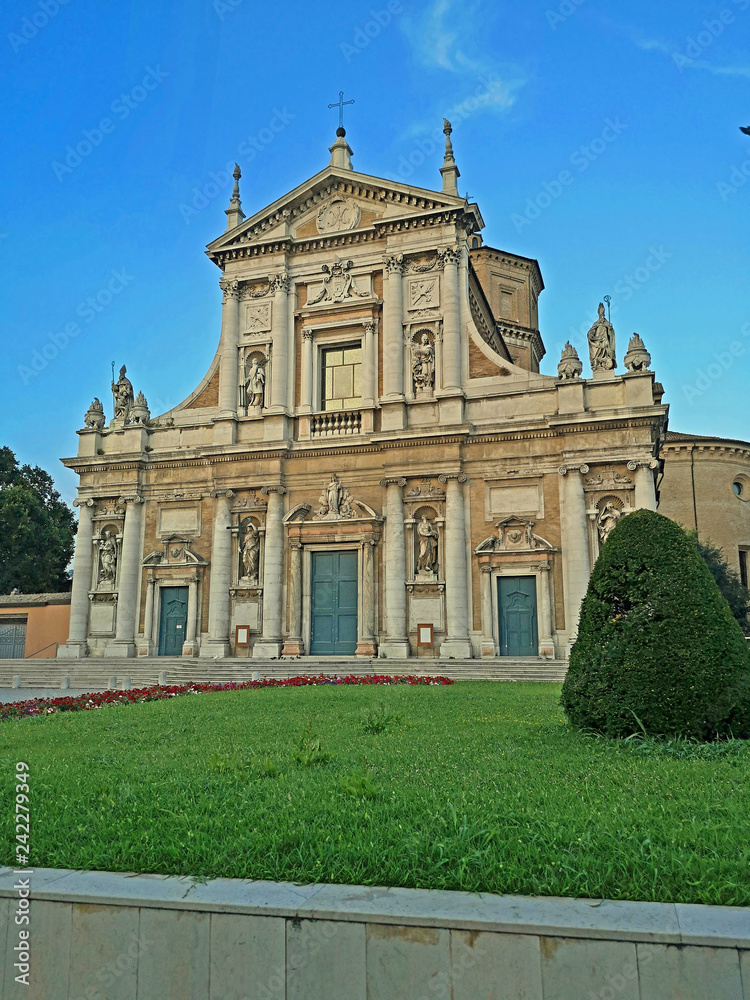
270	642
217	642
130	570
575	545
456	644
396	645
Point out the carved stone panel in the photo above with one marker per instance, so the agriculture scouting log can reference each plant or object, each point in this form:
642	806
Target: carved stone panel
179	521
425	611
338	216
256	317
424	293
102	618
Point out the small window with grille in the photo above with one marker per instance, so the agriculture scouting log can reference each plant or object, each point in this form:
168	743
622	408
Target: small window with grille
342	377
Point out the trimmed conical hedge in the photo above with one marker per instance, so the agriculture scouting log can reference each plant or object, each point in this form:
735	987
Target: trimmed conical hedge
657	640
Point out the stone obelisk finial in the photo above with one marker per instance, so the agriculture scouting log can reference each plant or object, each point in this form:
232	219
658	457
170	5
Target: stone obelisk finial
449	170
234	213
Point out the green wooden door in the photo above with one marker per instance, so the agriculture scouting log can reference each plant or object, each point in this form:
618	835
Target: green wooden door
172	620
516	601
334	604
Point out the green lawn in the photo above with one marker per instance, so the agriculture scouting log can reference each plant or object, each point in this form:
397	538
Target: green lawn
477	786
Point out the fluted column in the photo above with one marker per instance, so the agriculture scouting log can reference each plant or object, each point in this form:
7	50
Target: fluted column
273	573
217	642
396	645
366	644
190	646
456	644
488	638
575	545
128	590
280	339
294	645
545	619
306	375
145	648
645	488
452	375
370	366
77	646
393	331
229	374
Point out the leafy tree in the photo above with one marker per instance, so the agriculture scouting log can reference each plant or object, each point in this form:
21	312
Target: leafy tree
737	596
658	647
36	530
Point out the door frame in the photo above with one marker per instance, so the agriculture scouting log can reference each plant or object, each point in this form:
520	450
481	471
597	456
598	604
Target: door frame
518	569
164	586
307	553
537	595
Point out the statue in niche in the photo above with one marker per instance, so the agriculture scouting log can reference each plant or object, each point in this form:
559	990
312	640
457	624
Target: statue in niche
250	552
607	520
428	540
601	339
122	390
255	381
107	559
423	364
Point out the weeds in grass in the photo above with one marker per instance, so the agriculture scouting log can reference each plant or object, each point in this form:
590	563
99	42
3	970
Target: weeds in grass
379	719
685	748
360	784
309	752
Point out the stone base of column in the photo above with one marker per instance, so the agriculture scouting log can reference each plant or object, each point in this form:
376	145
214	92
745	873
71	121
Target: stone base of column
275	427
367	648
451	409
215	648
225	430
395	649
456	649
190	649
292	647
487	647
267	648
547	648
146	649
121	647
73	651
393	415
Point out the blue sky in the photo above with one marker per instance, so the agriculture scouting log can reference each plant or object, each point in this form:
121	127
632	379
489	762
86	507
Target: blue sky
600	138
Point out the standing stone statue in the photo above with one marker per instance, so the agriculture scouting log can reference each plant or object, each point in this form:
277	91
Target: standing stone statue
255	383
428	537
250	552
601	338
107	560
609	517
423	364
122	390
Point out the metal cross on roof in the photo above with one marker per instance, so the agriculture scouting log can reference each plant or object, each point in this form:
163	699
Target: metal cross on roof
340	105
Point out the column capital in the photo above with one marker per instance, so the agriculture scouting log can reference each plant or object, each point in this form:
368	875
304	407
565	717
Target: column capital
307	333
130	498
448	257
485	568
230	287
563	470
83	502
446	476
394	263
221	493
393	481
267	490
281	282
370	326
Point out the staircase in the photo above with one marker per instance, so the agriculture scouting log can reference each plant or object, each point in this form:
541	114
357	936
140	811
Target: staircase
95	673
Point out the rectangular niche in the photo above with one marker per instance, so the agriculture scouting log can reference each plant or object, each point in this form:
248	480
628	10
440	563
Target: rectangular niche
179	521
426	611
102	618
502	499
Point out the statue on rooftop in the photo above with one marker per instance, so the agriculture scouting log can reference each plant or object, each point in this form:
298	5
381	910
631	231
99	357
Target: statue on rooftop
601	339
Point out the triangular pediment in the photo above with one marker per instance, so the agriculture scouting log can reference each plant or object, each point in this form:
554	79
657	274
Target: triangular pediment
334	202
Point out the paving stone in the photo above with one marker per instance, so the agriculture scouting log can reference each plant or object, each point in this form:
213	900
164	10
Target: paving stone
175	950
41	879
248	957
264	898
104	951
693	973
408	961
51	930
723	926
573	969
745	972
495	966
325	960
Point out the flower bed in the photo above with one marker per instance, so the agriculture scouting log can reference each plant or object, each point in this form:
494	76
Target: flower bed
100	699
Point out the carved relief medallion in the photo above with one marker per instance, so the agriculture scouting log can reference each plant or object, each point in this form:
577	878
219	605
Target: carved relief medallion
339	215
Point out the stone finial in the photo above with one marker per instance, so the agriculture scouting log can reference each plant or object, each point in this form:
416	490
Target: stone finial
570	366
449	170
94	417
601	339
234	213
140	413
637	359
341	152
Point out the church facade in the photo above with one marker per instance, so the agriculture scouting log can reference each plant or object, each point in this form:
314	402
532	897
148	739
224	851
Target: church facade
373	464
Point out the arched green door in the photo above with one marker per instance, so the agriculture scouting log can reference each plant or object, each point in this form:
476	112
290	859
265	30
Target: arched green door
172	620
516	601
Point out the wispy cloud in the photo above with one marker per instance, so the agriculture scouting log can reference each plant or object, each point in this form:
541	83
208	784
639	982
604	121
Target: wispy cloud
684	61
447	36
